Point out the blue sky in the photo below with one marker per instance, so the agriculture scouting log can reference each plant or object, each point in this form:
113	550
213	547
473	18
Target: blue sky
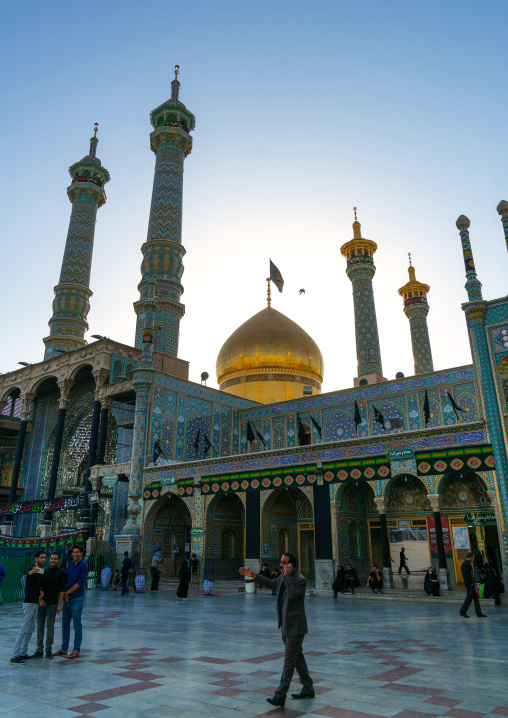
303	111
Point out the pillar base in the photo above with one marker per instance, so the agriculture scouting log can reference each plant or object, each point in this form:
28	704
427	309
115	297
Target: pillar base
387	577
444	580
127	542
325	574
6	530
91	546
44	530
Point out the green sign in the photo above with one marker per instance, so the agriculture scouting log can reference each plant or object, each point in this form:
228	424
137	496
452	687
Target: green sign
197	532
400	454
167	481
480	519
109	479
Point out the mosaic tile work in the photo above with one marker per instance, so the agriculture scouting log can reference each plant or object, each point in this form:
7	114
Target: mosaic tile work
420	340
366	332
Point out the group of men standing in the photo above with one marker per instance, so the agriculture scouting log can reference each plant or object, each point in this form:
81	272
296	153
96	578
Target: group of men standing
49	592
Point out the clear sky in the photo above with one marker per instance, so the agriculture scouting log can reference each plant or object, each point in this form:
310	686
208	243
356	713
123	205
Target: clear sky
303	111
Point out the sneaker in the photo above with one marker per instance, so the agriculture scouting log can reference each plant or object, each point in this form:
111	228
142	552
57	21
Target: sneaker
26	657
60	653
38	654
17	661
49	654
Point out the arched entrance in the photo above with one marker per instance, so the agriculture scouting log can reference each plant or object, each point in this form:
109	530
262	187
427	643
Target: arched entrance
357	522
225	522
407	509
466	508
288	525
171	532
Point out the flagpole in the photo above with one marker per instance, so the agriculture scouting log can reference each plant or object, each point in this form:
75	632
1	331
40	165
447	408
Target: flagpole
268	293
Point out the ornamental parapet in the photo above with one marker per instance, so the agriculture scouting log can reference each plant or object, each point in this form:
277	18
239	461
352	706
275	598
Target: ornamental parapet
173	138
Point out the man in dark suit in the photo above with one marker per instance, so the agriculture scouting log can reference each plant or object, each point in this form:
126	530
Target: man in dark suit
290	591
470	585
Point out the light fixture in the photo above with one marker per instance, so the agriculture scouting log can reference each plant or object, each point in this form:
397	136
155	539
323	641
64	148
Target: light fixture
24	363
204	376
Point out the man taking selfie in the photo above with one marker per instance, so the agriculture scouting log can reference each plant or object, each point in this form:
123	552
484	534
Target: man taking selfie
30	608
290	591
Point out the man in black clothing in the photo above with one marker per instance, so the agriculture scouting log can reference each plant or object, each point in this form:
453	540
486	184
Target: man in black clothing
403	562
274	576
124	573
50	603
375	580
30	608
470	585
352	580
265	572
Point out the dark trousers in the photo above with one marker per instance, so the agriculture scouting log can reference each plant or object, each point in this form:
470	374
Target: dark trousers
471	595
155	578
125	587
403	564
350	583
293	658
46	616
375	584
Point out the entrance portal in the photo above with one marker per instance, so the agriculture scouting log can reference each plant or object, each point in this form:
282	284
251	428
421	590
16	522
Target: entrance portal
171	531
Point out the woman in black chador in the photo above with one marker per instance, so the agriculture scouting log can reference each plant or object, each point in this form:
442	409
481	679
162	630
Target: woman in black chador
339	585
183	586
431	583
493	585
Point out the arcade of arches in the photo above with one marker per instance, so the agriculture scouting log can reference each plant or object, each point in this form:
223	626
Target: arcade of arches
286	523
410	523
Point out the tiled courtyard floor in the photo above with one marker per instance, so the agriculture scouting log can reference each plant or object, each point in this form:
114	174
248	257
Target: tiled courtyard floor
149	655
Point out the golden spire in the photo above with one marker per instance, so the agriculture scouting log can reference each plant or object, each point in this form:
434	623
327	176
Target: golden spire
357	227
354	210
177	72
95	128
268	293
411	270
409	255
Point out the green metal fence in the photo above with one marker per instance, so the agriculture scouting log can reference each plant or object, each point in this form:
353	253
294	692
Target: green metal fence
12	587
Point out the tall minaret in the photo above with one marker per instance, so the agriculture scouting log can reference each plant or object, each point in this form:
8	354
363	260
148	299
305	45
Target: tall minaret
72	293
416	309
359	253
163	250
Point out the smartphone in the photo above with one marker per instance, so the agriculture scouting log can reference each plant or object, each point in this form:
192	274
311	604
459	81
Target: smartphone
39	570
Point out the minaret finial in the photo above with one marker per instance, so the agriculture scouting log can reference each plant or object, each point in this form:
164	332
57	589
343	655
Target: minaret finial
409	255
175	85
177	71
269	293
354	210
95	128
94	141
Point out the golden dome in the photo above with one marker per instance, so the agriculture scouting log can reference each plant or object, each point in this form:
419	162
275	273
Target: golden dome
269	357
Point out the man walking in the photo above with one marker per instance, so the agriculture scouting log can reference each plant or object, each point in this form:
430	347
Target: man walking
157	562
50	603
30	608
290	591
74	598
124	573
403	562
470	585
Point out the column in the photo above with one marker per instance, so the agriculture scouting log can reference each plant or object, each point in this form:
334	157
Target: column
253	530
325	574
27	400
65	387
444	576
99	375
99	459
385	544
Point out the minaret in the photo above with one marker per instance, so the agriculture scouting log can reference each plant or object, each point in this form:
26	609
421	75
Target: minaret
72	293
359	253
416	309
473	285
163	250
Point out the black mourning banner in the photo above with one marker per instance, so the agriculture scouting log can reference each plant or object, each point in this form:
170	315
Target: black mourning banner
276	276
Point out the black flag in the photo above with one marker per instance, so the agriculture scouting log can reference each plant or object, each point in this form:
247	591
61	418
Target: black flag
260	437
300	429
207	445
379	417
316	426
250	433
196	441
276	276
358	417
157	451
456	407
426	408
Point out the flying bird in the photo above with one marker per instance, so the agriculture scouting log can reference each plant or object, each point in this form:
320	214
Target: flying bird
302	291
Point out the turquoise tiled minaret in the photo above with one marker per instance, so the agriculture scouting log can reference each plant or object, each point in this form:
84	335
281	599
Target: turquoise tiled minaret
163	251
359	253
502	209
72	293
416	309
476	310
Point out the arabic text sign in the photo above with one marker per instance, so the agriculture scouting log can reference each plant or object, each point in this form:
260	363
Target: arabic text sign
63	503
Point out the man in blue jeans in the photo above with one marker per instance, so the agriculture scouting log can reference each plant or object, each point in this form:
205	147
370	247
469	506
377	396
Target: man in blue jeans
74	598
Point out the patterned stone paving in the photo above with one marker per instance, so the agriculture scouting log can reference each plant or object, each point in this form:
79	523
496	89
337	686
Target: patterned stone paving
220	656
